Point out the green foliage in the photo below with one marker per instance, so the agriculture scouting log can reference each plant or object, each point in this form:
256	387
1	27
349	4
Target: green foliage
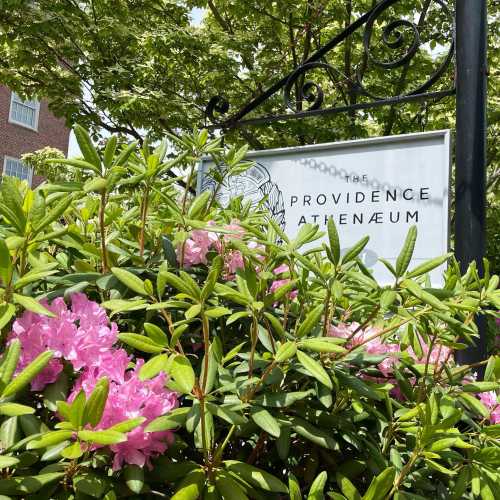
271	405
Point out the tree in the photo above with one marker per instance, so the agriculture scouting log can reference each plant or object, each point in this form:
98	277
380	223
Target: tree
137	66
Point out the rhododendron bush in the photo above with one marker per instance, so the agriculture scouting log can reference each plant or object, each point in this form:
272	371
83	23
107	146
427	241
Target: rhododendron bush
158	345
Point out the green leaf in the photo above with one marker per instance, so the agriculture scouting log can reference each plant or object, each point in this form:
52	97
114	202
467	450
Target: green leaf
316	491
54	214
49	439
228	487
489	455
217	312
480	387
88	150
315	369
110	150
153	366
404	258
32	305
8	461
7	311
381	485
256	477
172	420
91	484
15	409
134	478
440	468
76	410
127	425
347	488
281	399
96	185
140	342
130	280
322	344
156	334
310	321
102	437
28	374
72	451
428	266
354	251
5	263
191	486
9	361
313	434
199	204
193	311
334	240
226	414
265	421
122	158
294	488
285	352
94	407
12	206
183	373
424	296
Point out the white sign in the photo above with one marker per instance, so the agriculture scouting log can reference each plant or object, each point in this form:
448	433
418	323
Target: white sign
377	187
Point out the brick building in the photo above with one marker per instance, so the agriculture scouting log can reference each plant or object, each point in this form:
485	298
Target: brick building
26	126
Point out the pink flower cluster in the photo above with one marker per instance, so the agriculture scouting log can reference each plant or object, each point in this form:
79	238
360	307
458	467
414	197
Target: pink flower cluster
283	281
490	400
83	336
195	249
129	397
372	343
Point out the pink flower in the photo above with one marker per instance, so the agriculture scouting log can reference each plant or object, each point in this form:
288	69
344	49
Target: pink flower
282	269
372	343
438	355
197	246
233	260
490	400
279	283
81	335
128	398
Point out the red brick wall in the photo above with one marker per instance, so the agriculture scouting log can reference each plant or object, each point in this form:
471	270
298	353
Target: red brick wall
16	140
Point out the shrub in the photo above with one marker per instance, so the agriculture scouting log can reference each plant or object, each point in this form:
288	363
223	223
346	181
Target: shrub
159	345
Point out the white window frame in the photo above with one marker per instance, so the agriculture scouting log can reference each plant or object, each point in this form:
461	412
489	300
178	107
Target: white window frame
20	123
12	158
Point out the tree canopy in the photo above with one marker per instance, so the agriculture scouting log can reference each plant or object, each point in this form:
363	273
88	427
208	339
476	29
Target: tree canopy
142	67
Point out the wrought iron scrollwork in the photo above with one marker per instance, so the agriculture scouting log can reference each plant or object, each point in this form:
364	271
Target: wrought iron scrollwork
217	104
400	35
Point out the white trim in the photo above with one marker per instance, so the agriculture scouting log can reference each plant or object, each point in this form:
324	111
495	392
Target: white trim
36	109
12	158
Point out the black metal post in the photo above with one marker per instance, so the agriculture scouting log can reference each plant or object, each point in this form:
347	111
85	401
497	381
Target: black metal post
470	226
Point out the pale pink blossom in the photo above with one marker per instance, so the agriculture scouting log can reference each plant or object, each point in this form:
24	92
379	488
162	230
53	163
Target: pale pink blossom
490	400
282	269
279	283
233	260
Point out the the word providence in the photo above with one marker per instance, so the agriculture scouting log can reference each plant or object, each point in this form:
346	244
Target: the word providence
362	198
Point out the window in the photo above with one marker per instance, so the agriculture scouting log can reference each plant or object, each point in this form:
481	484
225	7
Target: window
16	168
24	113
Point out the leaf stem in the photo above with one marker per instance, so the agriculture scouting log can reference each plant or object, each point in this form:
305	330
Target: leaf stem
102	208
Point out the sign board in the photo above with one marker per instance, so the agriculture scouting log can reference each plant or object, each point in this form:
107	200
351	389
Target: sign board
377	187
